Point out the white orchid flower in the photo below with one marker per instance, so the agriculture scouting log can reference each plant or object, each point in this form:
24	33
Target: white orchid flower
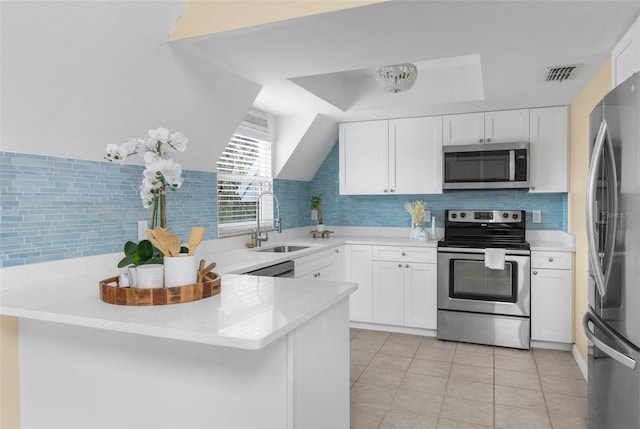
161	170
150	156
159	134
179	141
146	197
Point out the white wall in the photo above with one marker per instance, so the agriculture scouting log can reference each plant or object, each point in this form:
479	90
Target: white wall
77	75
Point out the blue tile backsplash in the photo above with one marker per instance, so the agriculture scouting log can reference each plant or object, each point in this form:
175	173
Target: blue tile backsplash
55	208
388	210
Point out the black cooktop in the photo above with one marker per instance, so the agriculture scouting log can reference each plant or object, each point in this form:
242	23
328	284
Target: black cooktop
480	229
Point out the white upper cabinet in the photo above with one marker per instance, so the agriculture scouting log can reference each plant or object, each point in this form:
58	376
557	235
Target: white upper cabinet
364	157
401	156
467	128
489	127
506	126
549	150
625	56
415	155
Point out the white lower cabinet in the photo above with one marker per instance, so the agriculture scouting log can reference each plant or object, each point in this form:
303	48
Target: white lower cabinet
420	296
388	293
404	286
358	261
551	297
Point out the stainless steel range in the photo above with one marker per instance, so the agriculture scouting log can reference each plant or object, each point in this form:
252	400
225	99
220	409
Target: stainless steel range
484	285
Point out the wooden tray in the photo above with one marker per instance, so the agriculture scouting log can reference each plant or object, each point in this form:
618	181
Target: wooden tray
322	234
111	293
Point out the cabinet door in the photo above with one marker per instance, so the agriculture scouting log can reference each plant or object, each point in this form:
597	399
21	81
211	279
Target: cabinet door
358	268
625	56
420	295
338	264
467	128
415	155
549	150
551	305
388	292
364	157
506	126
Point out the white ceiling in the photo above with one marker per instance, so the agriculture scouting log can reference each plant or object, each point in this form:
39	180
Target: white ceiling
471	55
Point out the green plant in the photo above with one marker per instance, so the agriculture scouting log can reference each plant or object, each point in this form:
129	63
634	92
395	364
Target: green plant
140	254
316	204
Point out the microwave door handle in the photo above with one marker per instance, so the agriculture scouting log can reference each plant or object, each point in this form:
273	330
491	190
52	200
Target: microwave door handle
609	351
612	220
512	165
592	183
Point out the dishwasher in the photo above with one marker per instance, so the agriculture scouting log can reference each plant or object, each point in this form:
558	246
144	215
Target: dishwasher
283	269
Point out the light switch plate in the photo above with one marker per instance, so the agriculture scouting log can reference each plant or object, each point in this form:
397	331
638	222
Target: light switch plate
314	214
427	216
537	216
143	225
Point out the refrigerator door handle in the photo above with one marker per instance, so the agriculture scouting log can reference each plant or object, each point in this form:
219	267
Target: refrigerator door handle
611	216
592	183
611	352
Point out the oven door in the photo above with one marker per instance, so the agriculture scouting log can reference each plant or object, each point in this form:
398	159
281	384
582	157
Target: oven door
465	284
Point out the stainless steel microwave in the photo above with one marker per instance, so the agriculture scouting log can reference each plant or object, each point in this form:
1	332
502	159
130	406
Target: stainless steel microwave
486	166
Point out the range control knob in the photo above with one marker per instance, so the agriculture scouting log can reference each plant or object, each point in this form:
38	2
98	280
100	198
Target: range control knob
463	215
505	215
515	215
454	215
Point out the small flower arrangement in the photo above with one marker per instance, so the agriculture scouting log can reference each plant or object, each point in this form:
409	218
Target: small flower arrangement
161	172
416	209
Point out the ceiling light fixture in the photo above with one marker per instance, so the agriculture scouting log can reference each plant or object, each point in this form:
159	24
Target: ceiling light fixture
396	78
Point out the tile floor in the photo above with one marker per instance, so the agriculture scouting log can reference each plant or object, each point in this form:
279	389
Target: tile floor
411	381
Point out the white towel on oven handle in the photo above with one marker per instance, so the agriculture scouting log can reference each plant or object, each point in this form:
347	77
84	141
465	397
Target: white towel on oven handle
494	258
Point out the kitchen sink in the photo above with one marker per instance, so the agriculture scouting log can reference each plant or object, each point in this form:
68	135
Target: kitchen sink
285	248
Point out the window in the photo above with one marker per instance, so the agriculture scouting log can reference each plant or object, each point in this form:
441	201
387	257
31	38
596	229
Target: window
244	171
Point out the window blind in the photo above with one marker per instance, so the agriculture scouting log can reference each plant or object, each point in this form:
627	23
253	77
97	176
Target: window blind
244	171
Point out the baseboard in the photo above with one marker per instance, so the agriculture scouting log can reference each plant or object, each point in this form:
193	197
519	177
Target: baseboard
551	345
582	365
393	328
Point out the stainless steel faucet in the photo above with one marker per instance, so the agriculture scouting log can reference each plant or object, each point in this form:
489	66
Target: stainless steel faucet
259	238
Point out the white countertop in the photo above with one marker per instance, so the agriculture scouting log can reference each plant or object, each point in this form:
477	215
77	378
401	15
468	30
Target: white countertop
249	313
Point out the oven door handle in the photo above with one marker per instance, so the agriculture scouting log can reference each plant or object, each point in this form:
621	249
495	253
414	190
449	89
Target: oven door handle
517	252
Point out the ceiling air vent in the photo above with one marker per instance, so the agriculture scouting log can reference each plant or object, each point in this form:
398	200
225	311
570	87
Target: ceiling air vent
560	73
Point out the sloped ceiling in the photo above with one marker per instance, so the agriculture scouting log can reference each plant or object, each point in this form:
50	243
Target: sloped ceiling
471	55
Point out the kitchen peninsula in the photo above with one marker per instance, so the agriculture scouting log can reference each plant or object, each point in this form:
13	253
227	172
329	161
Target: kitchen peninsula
265	352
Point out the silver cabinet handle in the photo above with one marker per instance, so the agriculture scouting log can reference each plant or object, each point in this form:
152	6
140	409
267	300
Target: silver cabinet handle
392	190
399	265
404	254
488	140
481	140
550	259
406	266
535	273
609	351
386	190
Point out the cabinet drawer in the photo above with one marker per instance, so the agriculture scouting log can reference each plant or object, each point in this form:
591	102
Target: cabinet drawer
405	254
553	260
315	261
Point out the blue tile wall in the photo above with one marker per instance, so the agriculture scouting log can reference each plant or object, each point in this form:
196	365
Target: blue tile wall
294	197
56	208
388	210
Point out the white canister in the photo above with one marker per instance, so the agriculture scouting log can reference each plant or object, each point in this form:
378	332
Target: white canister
147	276
180	270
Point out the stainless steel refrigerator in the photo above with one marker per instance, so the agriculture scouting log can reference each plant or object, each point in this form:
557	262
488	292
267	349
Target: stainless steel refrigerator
612	322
